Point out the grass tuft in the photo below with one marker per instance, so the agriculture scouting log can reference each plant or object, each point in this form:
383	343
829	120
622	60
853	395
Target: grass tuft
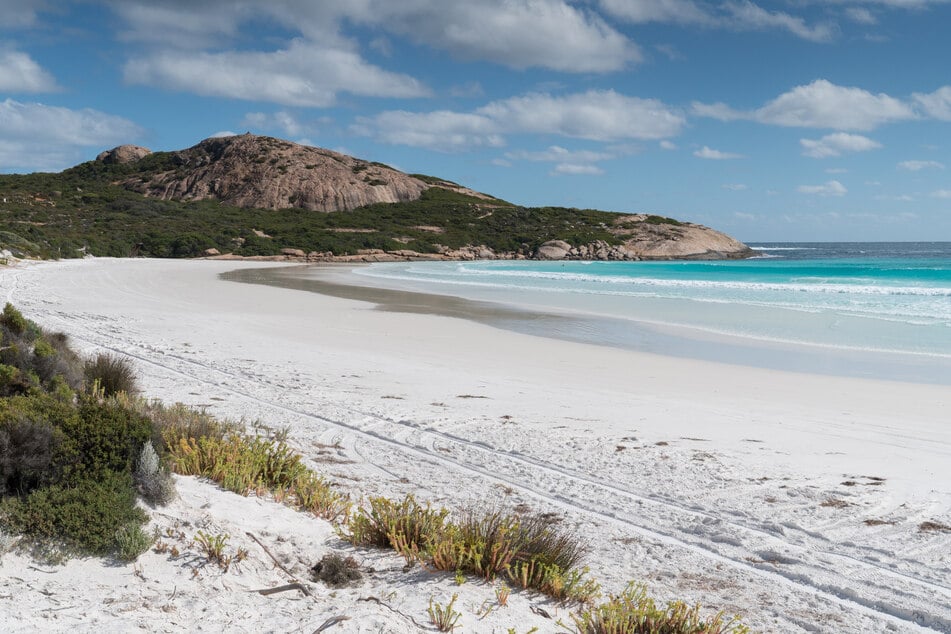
112	374
633	612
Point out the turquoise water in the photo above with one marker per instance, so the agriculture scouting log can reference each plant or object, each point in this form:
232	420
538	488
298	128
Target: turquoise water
873	297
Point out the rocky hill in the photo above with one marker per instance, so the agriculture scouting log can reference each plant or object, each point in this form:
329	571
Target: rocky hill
267	173
257	196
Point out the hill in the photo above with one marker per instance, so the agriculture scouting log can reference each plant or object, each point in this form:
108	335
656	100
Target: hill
256	196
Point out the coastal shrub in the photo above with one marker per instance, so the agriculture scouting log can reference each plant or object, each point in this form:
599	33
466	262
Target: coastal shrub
84	515
245	464
175	422
104	437
131	541
13	320
111	373
152	479
314	494
404	526
27	450
633	612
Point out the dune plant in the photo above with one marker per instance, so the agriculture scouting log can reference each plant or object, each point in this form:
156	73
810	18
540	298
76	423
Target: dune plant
406	524
444	617
131	541
152	479
634	612
111	373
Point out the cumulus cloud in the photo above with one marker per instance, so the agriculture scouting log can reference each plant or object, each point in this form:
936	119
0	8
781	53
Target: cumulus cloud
917	166
37	136
837	144
577	169
820	104
593	115
667	145
941	193
517	33
936	104
599	115
441	130
222	134
19	73
737	15
830	188
303	74
557	154
735	187
715	155
281	120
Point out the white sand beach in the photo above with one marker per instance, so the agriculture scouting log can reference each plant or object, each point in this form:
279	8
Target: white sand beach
794	500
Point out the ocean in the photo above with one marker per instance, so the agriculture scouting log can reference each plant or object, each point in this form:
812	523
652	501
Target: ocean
871	309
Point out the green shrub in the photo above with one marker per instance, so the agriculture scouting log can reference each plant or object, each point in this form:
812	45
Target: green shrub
633	612
27	450
111	373
131	541
175	422
105	436
405	526
84	516
13	320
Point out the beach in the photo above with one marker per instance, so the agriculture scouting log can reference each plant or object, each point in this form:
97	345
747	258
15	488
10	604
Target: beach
794	499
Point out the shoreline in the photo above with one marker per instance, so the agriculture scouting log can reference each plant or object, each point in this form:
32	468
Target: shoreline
740	488
339	280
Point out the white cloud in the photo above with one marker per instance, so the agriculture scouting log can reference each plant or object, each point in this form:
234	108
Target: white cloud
300	75
499	162
917	166
738	15
517	33
575	170
593	115
715	155
19	73
830	188
667	145
936	104
837	170
37	136
746	15
820	104
836	144
521	34
676	11
441	130
222	134
735	187
556	154
860	15
941	193
281	120
599	115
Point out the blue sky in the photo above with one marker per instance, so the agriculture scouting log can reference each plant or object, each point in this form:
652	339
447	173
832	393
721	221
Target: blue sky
784	120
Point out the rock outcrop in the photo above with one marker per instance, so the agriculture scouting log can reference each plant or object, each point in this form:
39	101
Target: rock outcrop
123	154
267	173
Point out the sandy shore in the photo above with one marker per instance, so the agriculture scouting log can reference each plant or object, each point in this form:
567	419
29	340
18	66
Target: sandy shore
792	499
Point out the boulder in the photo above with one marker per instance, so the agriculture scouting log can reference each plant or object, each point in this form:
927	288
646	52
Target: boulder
553	250
123	154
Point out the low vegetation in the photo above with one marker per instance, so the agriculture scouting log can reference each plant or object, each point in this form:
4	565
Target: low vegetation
79	212
76	456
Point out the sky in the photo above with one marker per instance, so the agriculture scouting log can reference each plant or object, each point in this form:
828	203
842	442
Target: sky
791	120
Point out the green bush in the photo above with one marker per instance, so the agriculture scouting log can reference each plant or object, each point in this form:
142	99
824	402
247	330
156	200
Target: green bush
27	450
13	320
104	437
111	373
633	612
84	515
